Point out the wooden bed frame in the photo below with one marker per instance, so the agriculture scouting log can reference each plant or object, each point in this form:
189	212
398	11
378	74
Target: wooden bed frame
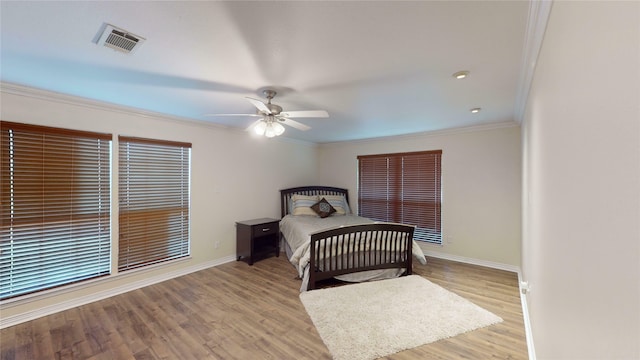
356	248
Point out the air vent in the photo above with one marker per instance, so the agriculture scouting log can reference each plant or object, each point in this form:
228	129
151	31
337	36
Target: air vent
119	39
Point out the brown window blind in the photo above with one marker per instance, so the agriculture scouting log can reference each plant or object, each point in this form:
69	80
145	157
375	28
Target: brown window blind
154	201
55	207
403	188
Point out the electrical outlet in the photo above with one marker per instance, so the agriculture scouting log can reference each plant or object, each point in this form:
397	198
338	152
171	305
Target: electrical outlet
216	244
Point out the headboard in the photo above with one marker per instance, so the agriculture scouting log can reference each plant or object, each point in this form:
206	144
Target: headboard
285	194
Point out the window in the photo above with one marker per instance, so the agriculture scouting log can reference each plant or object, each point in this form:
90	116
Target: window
153	188
54	207
403	188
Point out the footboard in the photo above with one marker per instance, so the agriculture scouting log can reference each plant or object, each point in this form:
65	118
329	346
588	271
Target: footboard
350	249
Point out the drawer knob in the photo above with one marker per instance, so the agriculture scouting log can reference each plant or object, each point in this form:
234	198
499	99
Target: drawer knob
265	229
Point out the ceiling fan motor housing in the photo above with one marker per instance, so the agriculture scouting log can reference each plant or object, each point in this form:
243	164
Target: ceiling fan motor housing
275	109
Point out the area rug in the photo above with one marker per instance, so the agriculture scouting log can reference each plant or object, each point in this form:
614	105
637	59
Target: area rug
369	320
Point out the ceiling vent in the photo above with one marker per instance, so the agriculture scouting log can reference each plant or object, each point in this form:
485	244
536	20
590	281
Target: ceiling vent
119	39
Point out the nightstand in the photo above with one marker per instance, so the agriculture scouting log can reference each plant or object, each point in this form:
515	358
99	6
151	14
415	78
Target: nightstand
257	239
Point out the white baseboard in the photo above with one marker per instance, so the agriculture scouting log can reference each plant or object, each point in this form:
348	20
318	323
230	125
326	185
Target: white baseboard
466	260
83	300
527	321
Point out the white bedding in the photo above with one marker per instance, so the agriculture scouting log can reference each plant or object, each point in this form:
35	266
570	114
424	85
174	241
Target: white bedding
297	230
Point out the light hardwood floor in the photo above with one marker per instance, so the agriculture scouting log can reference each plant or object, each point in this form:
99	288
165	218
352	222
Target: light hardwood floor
237	311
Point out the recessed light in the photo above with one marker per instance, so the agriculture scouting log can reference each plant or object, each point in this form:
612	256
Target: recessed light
461	74
475	110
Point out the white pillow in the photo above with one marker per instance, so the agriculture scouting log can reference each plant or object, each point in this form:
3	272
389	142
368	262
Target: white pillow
301	204
339	202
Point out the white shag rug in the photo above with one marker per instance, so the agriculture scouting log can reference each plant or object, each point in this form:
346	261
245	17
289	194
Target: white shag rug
369	320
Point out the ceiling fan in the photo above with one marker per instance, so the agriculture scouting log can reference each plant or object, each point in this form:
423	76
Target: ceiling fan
272	116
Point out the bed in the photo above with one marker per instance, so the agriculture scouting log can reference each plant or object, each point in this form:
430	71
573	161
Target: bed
325	242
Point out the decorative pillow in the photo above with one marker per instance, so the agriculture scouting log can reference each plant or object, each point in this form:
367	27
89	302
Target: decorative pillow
323	208
301	204
339	203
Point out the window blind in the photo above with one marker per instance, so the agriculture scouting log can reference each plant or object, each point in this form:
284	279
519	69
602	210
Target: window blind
55	207
403	188
153	200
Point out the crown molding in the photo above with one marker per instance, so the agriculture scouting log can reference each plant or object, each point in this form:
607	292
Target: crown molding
452	131
539	11
73	100
52	96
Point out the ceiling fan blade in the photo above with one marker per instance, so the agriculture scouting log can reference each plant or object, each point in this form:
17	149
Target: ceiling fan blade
260	105
253	124
231	115
293	124
306	113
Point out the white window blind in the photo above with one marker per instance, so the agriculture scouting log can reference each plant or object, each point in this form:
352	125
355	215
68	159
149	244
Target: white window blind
153	200
55	207
403	188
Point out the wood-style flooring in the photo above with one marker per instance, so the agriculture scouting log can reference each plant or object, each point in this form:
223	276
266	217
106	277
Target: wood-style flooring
237	311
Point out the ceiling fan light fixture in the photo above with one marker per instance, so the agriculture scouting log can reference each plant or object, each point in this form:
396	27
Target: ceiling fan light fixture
279	129
269	128
461	74
260	128
273	129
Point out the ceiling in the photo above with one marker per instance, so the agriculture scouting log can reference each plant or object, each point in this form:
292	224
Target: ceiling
379	68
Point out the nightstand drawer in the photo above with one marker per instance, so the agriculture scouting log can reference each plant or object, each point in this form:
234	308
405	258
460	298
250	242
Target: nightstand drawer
263	230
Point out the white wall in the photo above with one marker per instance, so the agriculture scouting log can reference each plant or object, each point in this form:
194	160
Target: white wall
581	176
480	185
234	176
